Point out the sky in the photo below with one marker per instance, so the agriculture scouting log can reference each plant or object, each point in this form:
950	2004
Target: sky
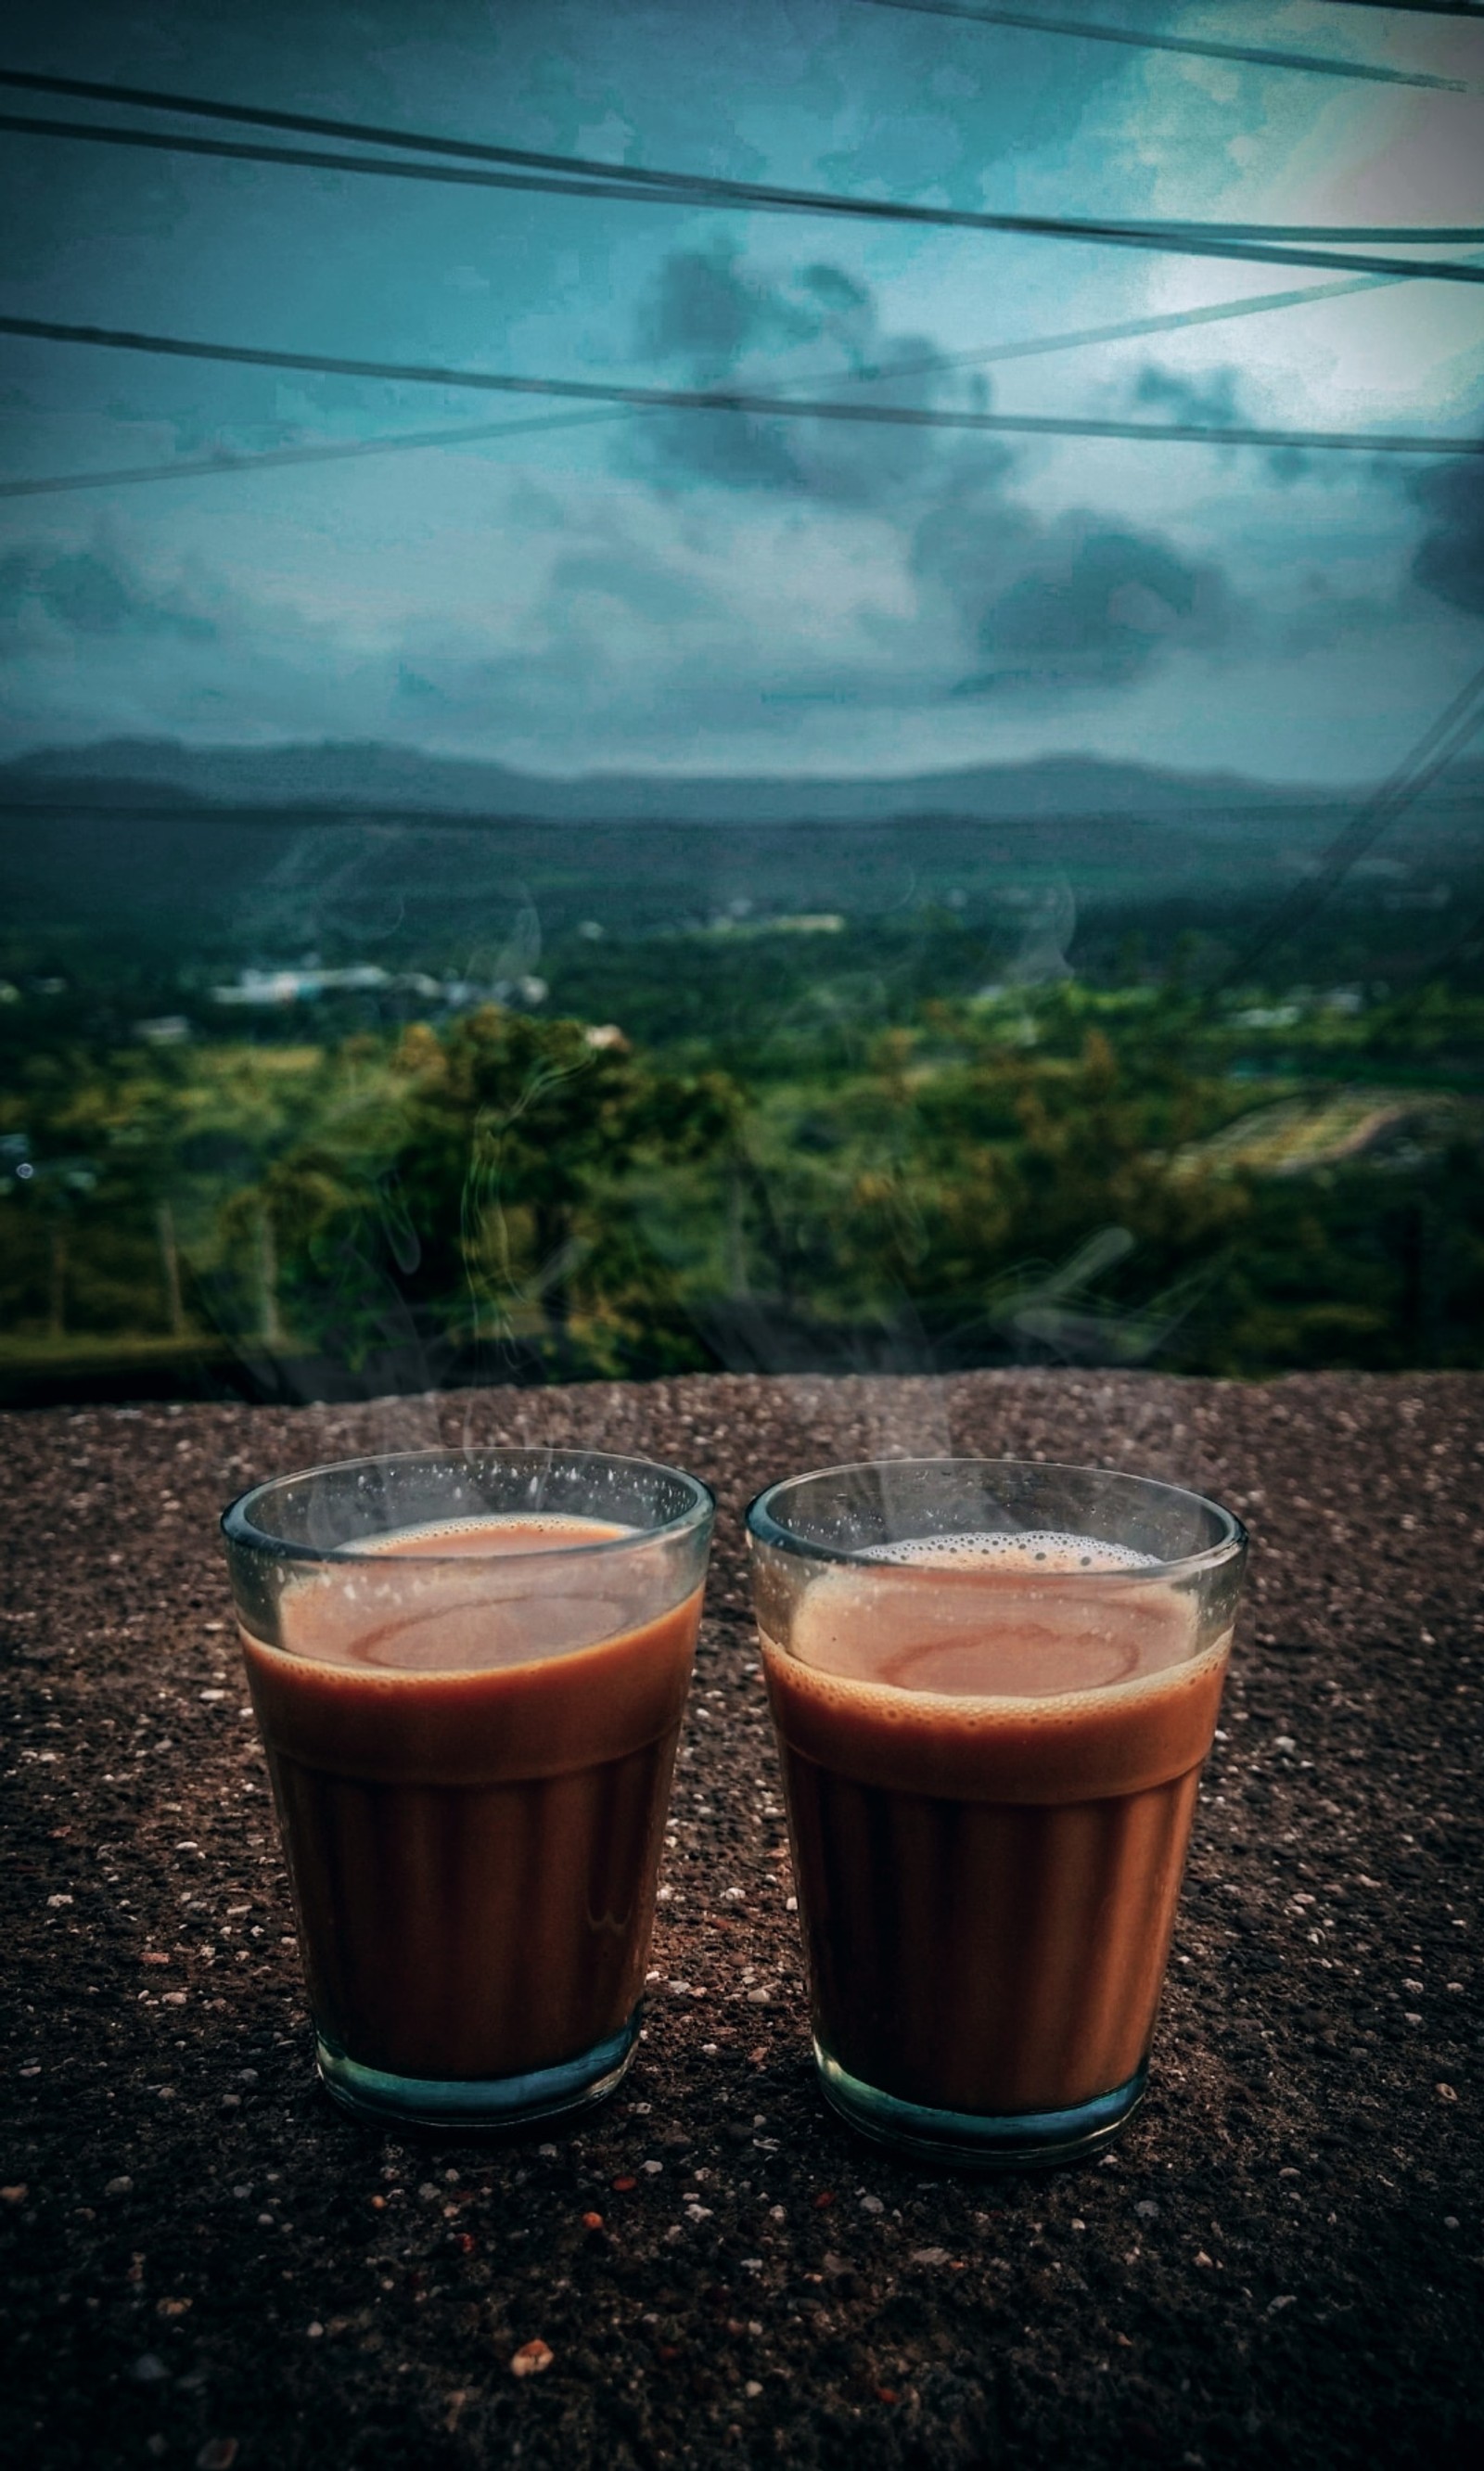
695	592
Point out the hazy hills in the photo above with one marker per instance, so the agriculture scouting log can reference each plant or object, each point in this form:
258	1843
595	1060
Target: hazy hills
368	776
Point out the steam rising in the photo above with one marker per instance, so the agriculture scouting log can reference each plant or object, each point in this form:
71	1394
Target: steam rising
354	882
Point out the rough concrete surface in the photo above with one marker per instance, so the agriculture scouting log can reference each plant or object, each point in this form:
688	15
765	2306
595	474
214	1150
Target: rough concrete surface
207	2263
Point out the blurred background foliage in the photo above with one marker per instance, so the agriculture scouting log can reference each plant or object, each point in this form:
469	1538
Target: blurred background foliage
813	1159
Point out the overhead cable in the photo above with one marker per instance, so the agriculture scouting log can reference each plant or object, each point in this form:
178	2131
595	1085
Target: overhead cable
582	177
1260	244
1435	750
1414	7
685	188
740	401
224	462
1200	46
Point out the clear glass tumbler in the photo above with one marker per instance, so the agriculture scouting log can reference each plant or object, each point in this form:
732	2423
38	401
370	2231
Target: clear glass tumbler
469	1670
994	1684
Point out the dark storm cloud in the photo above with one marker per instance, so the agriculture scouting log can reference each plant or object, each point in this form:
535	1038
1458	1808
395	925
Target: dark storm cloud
1103	604
91	592
1210	399
1450	559
1078	599
709	312
712	319
834	289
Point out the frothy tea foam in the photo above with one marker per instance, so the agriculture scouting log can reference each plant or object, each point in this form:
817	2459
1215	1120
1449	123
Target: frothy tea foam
990	1615
468	1595
488	1531
1047	1550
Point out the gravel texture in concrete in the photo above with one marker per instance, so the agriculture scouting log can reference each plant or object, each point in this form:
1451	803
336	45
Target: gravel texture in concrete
207	2263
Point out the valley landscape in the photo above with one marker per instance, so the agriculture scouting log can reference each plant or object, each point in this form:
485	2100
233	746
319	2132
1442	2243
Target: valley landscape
335	1069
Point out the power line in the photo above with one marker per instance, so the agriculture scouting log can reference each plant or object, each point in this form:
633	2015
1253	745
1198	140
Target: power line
685	188
1257	243
737	400
221	462
1201	47
702	189
1435	750
620	182
364	132
1169	320
225	463
1414	7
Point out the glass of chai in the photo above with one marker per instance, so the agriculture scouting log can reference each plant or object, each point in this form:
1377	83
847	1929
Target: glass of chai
469	1670
994	1686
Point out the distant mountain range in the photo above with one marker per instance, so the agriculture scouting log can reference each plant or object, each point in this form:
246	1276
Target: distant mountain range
365	776
342	777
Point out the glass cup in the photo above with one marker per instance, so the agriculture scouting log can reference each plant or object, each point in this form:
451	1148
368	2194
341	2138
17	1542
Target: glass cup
994	1686
469	1670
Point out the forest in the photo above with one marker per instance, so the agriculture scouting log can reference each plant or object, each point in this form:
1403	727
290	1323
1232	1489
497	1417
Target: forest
951	1132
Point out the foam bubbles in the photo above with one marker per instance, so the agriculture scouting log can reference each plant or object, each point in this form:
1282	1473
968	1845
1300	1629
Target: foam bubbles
1053	1550
493	1534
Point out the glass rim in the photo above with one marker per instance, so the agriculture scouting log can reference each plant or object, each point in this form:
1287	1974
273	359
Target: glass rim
765	1528
237	1523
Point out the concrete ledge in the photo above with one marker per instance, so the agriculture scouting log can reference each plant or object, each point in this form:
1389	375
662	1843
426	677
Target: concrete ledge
1279	2265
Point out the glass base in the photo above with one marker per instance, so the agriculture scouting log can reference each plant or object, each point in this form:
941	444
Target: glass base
1020	2140
467	2103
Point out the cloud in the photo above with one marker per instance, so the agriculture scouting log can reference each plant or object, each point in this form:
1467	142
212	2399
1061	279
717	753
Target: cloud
1209	400
708	311
90	593
1080	597
1103	604
713	320
1213	400
99	639
623	580
1029	600
1450	558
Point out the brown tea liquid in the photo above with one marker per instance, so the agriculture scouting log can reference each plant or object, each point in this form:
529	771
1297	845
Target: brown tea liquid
472	1772
992	1748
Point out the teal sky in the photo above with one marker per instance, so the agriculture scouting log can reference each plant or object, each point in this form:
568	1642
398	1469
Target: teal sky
695	592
